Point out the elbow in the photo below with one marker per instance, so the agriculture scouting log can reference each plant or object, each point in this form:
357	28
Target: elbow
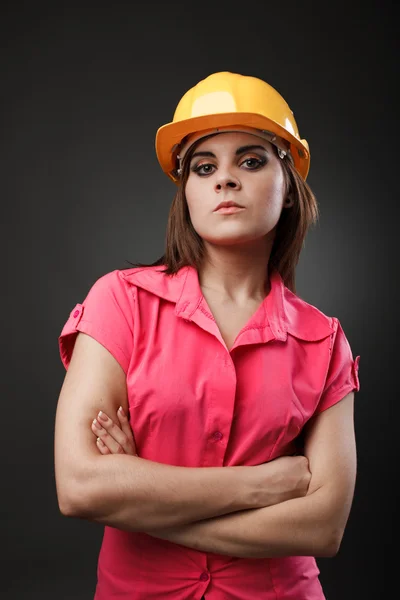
331	524
71	507
331	543
68	510
73	501
76	490
335	542
65	506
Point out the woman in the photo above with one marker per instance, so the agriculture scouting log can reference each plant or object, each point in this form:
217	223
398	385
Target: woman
231	463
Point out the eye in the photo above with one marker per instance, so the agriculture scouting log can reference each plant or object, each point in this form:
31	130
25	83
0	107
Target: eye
204	169
254	163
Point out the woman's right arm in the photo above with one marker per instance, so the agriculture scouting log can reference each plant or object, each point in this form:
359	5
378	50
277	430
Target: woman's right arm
135	494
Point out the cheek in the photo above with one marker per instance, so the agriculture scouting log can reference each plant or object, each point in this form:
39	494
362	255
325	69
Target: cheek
271	196
196	201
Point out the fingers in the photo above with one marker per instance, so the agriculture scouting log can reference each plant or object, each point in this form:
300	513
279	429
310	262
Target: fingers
126	428
111	444
114	438
102	447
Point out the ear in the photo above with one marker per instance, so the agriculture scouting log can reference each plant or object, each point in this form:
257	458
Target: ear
288	201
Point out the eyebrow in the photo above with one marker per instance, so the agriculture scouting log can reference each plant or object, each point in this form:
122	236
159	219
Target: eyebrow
238	151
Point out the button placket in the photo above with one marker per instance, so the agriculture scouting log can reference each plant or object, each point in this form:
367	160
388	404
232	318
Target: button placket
225	390
221	408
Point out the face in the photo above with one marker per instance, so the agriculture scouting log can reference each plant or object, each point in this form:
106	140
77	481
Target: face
241	168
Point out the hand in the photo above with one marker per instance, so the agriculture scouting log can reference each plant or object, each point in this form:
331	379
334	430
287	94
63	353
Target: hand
114	438
280	479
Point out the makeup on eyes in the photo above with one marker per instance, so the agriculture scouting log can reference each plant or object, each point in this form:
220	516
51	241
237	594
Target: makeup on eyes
259	162
238	152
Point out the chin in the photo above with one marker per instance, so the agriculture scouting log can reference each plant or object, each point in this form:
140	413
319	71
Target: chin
232	240
227	238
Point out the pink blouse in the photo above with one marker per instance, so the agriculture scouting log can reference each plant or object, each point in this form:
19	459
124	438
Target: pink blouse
194	403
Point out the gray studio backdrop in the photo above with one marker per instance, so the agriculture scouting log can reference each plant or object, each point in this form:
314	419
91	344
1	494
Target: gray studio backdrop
84	90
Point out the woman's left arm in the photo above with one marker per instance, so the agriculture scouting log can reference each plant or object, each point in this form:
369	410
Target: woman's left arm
309	526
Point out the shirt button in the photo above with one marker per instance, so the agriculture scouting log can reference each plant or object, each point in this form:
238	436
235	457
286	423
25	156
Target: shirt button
217	436
76	313
204	576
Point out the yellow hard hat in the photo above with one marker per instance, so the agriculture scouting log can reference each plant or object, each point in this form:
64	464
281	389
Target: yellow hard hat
231	102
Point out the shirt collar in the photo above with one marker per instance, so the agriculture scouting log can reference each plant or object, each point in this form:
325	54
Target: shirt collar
282	311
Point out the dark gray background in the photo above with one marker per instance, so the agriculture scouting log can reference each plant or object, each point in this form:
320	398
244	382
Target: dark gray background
84	89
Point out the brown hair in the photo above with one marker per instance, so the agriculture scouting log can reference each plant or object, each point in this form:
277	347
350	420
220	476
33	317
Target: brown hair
183	246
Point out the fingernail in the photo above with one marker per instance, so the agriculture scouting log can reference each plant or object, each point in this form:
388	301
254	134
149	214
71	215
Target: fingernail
100	442
121	410
102	416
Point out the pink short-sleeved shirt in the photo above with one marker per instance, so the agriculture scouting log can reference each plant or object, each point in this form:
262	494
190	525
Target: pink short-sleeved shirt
194	403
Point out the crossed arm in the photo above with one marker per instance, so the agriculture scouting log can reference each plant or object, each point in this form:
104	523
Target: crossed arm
119	490
309	525
312	525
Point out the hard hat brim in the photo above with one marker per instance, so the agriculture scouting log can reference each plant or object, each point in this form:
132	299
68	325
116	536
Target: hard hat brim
169	136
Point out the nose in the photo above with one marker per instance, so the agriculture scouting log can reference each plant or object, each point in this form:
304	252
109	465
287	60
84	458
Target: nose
226	181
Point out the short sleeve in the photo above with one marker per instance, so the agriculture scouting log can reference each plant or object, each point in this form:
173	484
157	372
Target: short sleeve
106	314
342	376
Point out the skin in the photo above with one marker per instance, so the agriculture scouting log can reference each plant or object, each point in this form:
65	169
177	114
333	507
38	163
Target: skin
238	246
316	521
114	438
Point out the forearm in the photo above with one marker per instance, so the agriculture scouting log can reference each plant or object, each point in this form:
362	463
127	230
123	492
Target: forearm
297	527
135	494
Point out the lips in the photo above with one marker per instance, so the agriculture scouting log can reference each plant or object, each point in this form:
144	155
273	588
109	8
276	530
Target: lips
227	205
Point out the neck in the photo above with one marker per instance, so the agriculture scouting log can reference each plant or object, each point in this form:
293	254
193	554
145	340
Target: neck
236	273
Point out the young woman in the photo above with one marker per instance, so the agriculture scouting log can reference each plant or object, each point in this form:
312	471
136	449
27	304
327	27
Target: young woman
231	462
